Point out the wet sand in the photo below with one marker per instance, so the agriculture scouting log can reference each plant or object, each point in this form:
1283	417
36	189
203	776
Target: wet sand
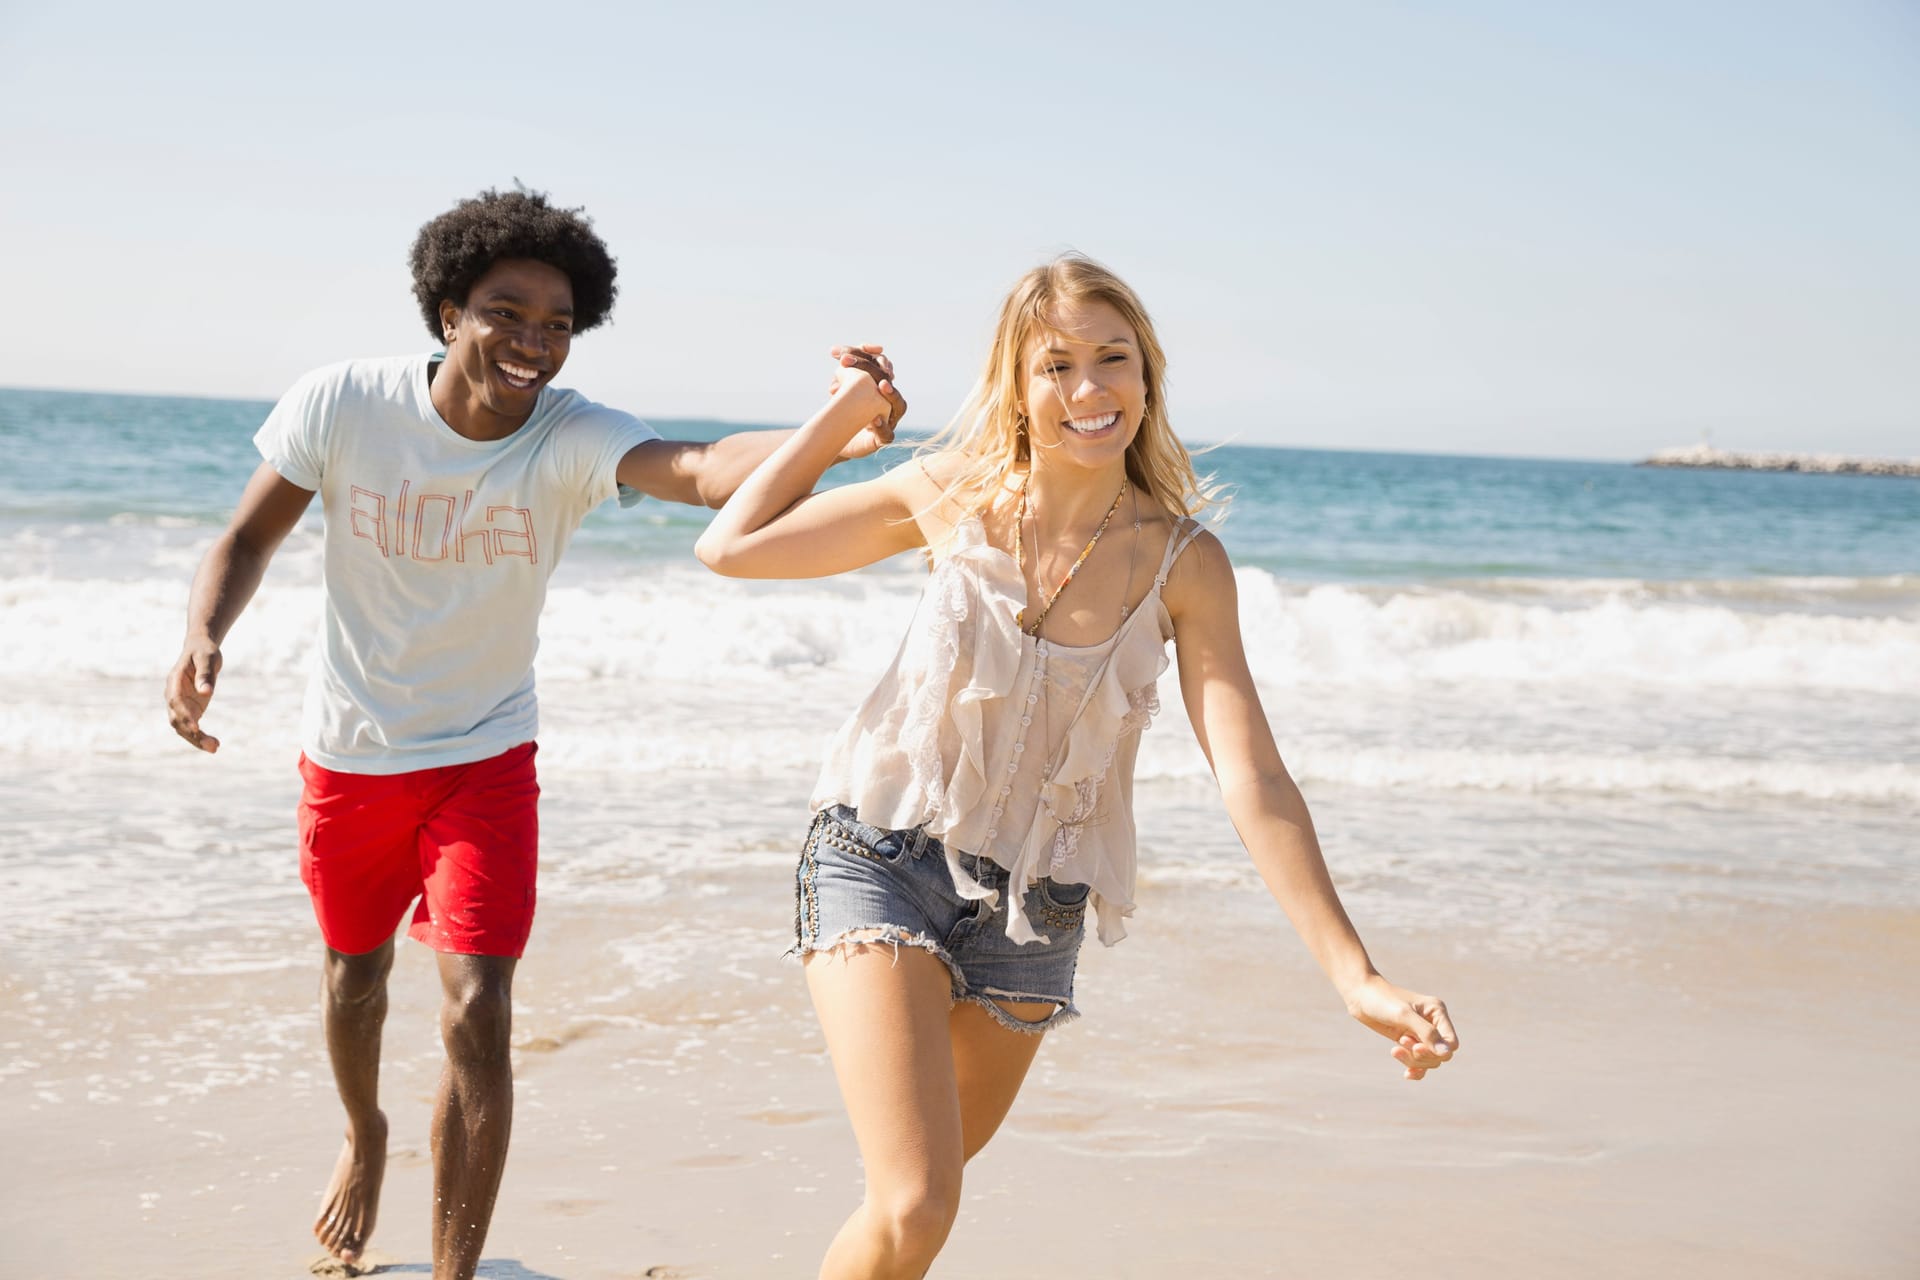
1725	1096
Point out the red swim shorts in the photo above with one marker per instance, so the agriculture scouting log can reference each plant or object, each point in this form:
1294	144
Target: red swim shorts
464	839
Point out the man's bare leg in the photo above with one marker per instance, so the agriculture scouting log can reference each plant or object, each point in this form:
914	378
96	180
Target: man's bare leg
473	1115
353	1008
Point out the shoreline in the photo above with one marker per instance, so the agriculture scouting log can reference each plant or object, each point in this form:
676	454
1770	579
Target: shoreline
1706	457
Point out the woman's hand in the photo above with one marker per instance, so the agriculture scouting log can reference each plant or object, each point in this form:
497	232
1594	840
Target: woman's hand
870	360
1422	1034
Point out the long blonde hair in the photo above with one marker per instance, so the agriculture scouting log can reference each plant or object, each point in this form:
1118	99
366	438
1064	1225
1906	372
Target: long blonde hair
990	433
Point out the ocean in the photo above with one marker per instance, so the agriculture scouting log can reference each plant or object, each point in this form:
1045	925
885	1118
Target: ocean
1550	689
1625	763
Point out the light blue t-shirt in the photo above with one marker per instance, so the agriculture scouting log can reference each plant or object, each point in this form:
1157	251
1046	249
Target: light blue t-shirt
438	549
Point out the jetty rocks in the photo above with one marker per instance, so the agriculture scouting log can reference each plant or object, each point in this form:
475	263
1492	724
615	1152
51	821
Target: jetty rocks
1832	464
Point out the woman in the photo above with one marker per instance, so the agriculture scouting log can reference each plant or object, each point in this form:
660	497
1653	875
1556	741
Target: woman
980	800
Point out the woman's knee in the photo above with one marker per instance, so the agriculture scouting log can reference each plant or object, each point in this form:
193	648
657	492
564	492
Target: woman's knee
916	1219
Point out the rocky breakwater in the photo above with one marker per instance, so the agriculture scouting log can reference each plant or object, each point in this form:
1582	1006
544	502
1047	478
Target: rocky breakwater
1701	455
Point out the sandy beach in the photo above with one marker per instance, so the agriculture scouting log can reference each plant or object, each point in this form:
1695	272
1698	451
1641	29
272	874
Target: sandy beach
1701	1089
1612	747
1637	802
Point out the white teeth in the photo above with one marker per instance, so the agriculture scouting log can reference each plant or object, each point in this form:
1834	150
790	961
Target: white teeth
515	371
1100	423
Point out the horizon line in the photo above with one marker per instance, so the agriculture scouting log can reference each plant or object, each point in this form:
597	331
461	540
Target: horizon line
1197	446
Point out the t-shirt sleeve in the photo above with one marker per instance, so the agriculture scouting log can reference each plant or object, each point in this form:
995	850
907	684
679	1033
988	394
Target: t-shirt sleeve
618	433
293	439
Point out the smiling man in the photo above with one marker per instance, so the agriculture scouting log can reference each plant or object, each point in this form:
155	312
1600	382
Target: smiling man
450	487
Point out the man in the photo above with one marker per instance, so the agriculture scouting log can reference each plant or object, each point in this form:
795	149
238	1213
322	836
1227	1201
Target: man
450	487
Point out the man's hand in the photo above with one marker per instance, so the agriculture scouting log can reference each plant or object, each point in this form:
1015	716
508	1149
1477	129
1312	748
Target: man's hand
871	360
190	689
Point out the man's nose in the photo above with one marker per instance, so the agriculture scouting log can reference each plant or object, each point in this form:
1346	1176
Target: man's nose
530	339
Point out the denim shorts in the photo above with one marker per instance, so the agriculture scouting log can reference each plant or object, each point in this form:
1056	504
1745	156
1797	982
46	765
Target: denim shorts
860	883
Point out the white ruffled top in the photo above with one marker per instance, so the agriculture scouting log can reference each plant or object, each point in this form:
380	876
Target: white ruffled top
1007	745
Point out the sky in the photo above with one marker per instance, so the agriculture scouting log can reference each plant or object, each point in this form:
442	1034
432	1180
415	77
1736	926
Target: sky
1559	230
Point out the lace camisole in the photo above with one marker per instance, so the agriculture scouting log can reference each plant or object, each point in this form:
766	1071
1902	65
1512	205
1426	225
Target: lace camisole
1008	745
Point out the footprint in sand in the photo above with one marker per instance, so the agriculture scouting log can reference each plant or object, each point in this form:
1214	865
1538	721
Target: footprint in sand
710	1162
1062	1122
560	1040
331	1267
574	1208
786	1117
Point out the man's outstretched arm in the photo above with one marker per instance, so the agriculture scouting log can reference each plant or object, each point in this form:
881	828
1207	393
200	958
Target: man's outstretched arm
225	582
705	475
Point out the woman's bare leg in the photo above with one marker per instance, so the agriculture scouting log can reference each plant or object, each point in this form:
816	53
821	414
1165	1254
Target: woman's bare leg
884	1010
990	1063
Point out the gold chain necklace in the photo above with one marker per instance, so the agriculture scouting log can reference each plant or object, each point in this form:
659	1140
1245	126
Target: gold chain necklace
1019	561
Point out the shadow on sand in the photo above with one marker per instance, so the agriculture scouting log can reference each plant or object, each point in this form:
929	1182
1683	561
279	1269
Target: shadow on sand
490	1269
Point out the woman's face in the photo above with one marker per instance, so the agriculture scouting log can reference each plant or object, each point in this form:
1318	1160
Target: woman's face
1083	385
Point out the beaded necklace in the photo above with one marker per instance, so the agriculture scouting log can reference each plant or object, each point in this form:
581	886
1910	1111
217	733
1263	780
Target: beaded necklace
1019	561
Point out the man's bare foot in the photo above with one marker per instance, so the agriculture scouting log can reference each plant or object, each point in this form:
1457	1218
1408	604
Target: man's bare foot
353	1197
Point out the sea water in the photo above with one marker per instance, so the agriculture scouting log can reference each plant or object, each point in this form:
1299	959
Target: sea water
1528	700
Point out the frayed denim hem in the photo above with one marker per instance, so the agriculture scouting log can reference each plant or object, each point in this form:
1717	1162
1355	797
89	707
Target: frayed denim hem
886	935
1061	1015
897	936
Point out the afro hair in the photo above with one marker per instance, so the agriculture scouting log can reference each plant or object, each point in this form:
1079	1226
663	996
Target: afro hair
461	245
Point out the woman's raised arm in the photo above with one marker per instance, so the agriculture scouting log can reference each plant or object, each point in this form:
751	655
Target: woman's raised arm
775	526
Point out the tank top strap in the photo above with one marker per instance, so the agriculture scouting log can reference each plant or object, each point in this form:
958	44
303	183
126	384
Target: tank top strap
1183	536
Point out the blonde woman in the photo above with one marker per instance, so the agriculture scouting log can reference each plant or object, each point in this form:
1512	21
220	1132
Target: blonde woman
979	803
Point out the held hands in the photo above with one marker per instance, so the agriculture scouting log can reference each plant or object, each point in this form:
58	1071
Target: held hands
190	689
1418	1025
867	374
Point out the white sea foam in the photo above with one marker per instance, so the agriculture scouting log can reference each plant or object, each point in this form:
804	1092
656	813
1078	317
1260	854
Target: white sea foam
682	625
1572	635
1592	773
666	668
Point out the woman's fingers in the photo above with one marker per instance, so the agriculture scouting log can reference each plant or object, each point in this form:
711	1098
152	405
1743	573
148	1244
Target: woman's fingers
1407	1054
1418	1025
1423	1052
1425	1020
896	404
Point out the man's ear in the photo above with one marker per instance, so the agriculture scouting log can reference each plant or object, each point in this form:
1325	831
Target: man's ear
449	319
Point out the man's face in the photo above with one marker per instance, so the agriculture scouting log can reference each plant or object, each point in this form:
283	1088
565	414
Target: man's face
513	335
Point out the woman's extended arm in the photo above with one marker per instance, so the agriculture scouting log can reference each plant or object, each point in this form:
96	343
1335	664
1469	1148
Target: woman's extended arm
775	526
1269	813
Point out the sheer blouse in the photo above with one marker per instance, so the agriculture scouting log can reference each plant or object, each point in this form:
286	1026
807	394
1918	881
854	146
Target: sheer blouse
1005	744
